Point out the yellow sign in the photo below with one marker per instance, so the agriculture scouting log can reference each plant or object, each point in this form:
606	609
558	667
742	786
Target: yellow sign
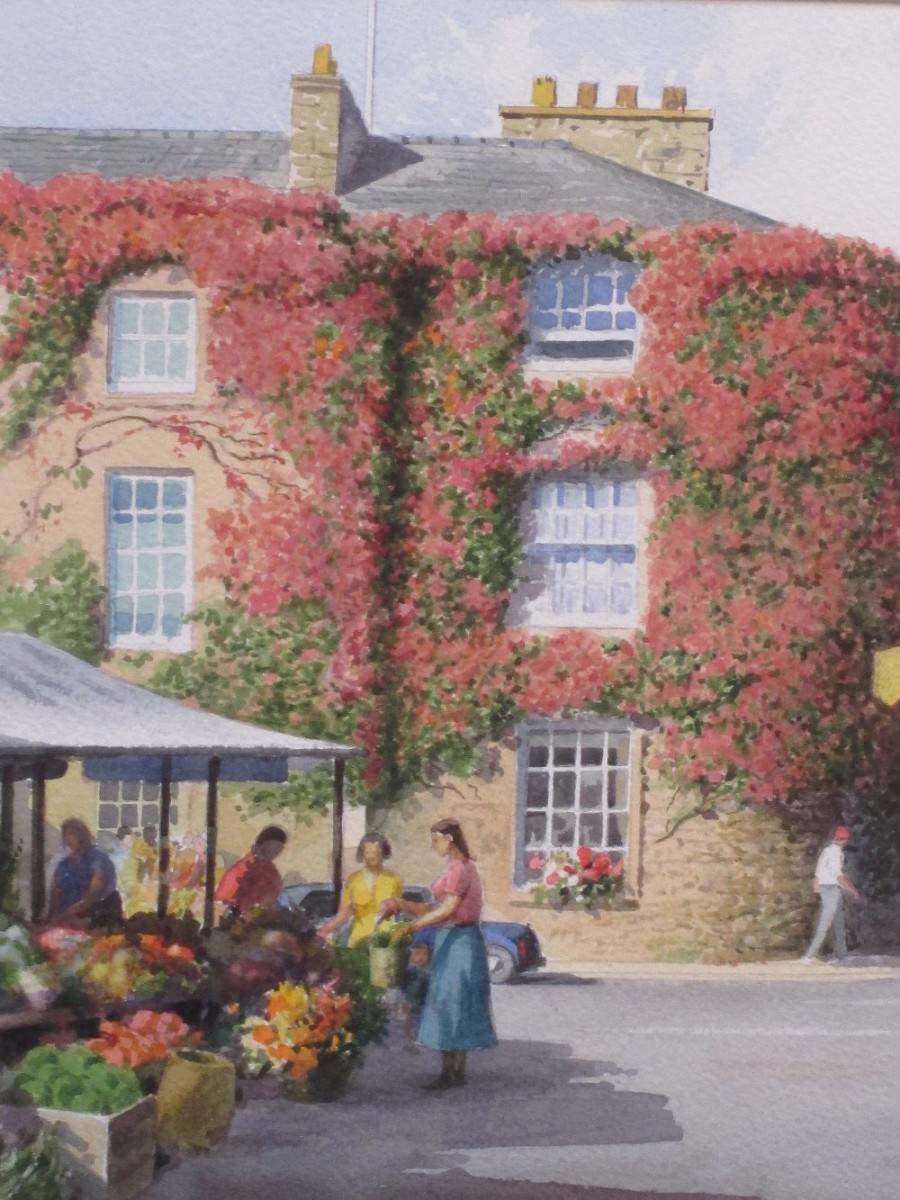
886	681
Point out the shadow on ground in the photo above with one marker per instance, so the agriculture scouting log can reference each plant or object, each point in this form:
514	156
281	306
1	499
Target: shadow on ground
550	978
458	1185
389	1137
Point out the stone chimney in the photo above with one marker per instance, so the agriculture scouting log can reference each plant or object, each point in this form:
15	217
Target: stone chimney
327	129
670	140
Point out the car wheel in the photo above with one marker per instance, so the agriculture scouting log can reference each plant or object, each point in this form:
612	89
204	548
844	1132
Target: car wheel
501	964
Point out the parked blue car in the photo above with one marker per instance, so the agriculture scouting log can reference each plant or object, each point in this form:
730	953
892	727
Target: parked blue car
512	948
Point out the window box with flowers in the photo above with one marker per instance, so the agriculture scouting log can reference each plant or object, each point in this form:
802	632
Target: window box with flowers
592	880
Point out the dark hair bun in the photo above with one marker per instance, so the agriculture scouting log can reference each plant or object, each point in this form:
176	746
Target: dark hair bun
271	833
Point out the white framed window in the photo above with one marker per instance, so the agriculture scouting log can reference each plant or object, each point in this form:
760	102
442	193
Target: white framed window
581	554
574	789
580	311
149	560
153	343
135	804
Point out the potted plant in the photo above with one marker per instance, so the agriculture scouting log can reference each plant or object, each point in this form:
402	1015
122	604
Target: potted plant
303	1036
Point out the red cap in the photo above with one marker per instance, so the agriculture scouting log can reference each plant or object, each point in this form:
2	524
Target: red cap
841	832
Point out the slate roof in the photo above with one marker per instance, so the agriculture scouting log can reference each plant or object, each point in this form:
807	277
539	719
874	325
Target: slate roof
36	155
509	176
406	176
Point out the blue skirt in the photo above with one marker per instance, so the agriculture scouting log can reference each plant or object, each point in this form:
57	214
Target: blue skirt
456	1014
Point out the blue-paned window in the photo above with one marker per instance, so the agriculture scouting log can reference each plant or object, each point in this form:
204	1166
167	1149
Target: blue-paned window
580	309
149	556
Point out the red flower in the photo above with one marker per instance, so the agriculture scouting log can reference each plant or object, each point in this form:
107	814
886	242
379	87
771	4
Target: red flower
536	862
584	855
552	878
601	864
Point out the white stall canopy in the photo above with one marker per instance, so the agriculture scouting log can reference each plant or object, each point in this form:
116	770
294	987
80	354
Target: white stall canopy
54	706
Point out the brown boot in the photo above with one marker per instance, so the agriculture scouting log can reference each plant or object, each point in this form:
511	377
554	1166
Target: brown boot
458	1074
447	1077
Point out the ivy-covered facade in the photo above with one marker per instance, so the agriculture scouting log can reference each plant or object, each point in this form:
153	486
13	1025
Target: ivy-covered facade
584	531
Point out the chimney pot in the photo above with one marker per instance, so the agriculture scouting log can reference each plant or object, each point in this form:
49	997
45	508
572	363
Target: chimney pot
627	95
674	98
543	92
323	63
587	95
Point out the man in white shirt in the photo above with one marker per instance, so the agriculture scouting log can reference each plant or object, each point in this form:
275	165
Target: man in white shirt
829	885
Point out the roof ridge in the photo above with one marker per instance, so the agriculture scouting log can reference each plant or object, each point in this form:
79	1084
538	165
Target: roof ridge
406	139
72	131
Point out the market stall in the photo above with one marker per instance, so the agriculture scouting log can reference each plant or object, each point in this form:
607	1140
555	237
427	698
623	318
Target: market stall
104	1031
55	707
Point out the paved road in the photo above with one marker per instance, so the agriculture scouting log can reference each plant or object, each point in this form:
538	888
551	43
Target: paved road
608	1089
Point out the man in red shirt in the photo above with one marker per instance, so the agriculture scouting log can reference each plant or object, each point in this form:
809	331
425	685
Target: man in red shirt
254	880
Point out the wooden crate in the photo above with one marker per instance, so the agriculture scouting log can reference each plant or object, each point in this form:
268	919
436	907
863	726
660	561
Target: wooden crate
111	1157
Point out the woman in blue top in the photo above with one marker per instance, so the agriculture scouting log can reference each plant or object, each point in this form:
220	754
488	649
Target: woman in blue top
83	887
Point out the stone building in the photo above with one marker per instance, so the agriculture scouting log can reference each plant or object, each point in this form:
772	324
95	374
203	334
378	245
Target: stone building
729	886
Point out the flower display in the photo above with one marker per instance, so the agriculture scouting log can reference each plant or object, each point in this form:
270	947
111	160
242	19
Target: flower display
57	943
580	881
300	1027
118	965
142	1038
139	881
24	973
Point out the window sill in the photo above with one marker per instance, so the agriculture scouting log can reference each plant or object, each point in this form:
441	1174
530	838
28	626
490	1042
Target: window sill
544	628
578	366
148	393
150	646
620	904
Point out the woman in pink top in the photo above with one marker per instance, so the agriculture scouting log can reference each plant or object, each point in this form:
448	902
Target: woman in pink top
456	1016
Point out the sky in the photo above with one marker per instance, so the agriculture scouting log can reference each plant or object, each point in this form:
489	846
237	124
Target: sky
806	94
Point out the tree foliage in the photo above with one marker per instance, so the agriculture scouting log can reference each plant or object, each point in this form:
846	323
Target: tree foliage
61	604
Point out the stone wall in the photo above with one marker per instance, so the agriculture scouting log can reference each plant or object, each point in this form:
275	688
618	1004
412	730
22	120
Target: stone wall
736	888
671	146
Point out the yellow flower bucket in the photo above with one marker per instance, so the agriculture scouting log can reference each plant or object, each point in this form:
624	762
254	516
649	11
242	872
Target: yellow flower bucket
385	966
195	1101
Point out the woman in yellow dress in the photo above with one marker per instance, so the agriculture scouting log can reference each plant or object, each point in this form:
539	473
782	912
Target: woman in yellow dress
139	874
366	890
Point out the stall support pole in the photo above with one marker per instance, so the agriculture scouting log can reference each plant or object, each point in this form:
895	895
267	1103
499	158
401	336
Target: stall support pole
38	812
337	832
165	807
7	797
212	826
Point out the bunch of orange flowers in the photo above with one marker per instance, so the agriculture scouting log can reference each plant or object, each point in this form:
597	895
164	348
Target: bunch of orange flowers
300	1025
142	1038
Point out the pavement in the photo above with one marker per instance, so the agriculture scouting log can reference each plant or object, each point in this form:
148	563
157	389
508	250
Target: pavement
856	968
630	1081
